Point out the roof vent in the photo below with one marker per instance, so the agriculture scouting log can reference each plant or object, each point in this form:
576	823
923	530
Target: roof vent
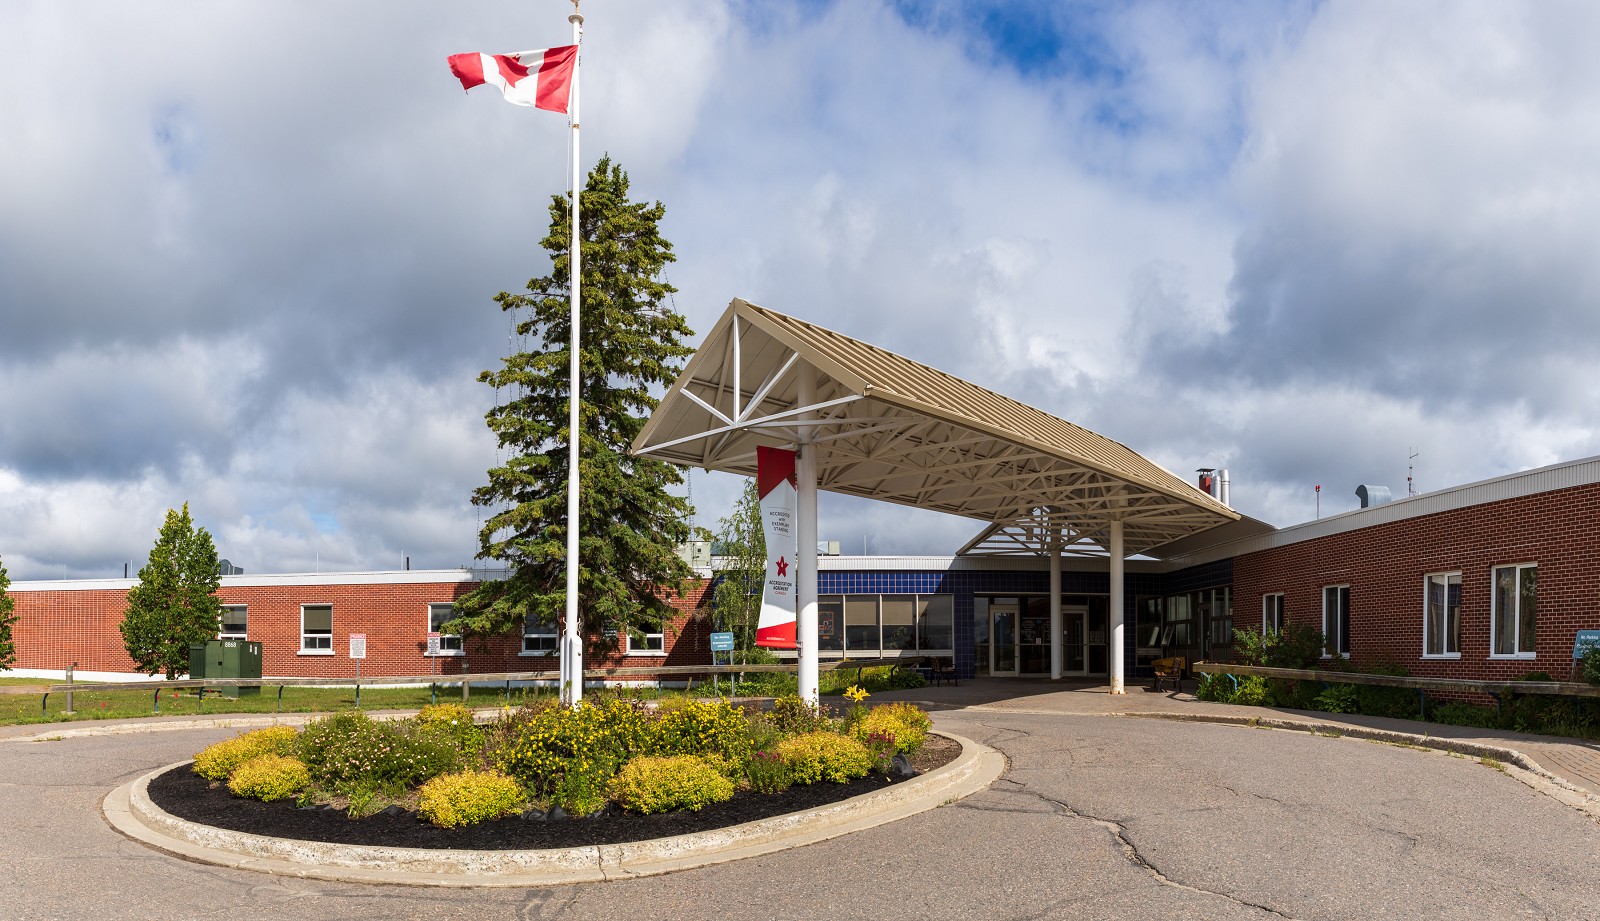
1372	495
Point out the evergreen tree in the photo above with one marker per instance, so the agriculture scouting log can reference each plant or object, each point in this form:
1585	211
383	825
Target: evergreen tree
629	524
740	557
175	603
8	645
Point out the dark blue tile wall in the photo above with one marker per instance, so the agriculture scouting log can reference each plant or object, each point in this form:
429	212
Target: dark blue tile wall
965	584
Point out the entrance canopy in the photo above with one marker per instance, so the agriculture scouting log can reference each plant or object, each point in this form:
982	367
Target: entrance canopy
884	427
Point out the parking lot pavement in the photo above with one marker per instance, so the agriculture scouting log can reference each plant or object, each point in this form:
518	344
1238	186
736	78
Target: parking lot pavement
1096	817
1572	761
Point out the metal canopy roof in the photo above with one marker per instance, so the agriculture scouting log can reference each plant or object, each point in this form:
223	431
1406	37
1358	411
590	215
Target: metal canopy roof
888	428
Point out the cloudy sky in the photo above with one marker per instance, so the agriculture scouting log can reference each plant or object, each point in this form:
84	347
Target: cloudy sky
248	250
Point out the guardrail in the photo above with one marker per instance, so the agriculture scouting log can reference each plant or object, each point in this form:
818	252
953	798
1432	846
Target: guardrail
1420	684
465	680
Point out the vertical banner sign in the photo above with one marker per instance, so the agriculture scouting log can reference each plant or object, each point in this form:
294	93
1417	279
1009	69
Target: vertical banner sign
775	483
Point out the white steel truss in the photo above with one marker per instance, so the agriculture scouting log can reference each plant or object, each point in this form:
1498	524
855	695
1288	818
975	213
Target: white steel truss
883	427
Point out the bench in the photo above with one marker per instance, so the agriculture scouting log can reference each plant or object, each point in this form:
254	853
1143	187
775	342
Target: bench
938	669
1169	669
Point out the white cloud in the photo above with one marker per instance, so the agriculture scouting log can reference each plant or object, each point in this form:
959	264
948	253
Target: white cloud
248	260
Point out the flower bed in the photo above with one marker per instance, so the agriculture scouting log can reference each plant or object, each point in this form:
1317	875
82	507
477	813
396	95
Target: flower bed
614	762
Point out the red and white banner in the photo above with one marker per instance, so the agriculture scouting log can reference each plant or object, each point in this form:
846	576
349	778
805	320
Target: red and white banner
775	484
542	78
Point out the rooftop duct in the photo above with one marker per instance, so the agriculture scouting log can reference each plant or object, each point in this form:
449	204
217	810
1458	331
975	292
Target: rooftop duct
1372	495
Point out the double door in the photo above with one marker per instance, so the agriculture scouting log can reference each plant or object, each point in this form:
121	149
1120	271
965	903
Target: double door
1019	634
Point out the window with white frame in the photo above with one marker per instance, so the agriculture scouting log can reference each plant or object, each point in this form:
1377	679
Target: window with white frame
1336	620
1516	610
438	616
234	622
1441	615
647	644
316	629
540	639
1272	613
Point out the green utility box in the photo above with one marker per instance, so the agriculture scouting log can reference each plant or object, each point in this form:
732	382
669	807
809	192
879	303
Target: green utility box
226	659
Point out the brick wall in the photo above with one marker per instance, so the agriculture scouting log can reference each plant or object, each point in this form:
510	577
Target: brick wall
57	627
1384	566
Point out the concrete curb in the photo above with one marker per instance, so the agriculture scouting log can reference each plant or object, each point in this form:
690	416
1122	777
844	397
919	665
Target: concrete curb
1517	764
129	810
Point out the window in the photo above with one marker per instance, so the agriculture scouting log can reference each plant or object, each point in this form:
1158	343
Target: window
1336	620
936	617
1272	613
316	629
886	624
900	622
1441	615
830	623
860	622
647	644
233	624
1516	608
540	639
438	616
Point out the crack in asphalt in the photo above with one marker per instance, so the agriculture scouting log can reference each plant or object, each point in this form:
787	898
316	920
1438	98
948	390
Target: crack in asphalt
1130	851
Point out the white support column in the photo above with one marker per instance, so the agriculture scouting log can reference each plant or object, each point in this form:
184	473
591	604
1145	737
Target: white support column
1055	602
805	627
1117	685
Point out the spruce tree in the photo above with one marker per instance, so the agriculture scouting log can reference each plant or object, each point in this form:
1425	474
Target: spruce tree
175	603
8	645
632	341
740	557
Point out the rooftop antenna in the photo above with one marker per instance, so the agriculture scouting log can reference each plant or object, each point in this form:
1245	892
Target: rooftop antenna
1319	500
1411	468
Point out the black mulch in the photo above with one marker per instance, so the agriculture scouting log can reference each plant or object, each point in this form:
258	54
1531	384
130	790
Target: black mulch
188	796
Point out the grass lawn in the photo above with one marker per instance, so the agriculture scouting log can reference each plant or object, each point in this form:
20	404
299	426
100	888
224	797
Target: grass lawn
105	705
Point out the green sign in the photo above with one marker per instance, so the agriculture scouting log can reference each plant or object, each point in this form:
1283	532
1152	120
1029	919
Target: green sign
722	642
1587	640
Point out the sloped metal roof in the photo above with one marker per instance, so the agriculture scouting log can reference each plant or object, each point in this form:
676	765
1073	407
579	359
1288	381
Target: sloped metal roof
886	427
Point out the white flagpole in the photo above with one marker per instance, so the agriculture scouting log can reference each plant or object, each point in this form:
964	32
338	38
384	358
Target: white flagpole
572	651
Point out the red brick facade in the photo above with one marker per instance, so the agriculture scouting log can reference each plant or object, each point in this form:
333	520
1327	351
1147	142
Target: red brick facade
57	627
1384	565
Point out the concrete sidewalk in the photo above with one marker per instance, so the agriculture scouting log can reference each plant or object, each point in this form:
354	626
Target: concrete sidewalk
1573	761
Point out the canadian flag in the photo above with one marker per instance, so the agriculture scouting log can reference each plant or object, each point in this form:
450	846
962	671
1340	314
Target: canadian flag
542	78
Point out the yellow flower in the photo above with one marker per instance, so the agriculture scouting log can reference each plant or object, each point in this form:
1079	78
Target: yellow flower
856	694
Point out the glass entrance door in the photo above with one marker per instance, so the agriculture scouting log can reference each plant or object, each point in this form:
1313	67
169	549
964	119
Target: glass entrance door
1003	637
1074	640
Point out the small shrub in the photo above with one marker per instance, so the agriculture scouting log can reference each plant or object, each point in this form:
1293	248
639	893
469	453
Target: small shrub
452	725
1337	698
829	756
350	751
1214	686
569	756
1374	700
270	777
469	797
1591	665
768	773
793	716
663	784
1461	713
1295	646
217	762
701	727
1252	691
905	725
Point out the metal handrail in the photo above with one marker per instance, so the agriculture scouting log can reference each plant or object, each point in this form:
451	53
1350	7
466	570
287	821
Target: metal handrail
1412	682
464	679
